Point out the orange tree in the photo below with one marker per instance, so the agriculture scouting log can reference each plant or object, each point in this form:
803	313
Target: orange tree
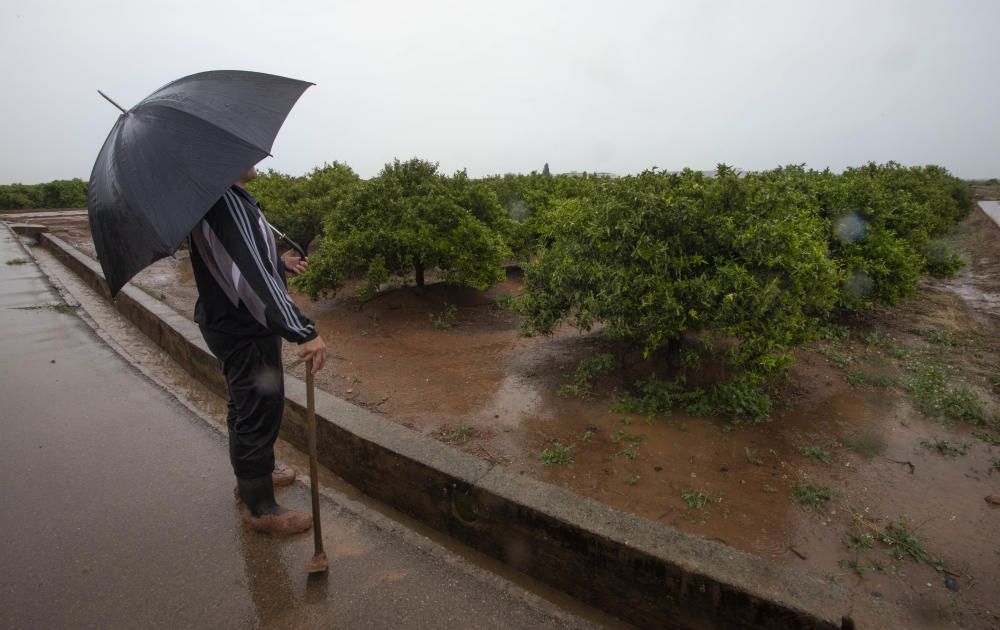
410	219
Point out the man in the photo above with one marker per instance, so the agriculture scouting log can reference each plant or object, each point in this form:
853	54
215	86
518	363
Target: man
244	311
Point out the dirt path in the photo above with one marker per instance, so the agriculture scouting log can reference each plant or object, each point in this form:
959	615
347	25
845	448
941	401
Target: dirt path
448	362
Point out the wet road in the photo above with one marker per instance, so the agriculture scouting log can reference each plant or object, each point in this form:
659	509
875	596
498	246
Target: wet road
118	509
992	210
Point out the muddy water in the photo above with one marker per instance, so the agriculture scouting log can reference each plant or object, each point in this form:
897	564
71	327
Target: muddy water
696	474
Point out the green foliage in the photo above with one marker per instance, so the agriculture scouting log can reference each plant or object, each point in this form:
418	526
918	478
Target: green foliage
933	393
942	259
298	205
812	495
902	543
446	319
60	193
586	370
817	453
556	453
944	447
410	219
989	438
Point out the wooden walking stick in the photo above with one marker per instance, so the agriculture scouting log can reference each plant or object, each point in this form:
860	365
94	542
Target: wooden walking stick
319	563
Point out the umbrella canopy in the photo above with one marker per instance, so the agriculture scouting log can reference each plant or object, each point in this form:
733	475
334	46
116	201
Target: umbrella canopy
169	159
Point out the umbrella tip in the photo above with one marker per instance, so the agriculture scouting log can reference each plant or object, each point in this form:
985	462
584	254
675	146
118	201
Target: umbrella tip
124	111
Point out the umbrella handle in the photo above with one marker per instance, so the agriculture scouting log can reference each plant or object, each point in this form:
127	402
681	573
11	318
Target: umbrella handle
298	248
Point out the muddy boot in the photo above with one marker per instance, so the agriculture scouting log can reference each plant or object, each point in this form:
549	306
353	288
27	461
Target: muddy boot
283	475
261	513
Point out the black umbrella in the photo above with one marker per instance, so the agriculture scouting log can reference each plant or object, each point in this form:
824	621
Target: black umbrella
169	159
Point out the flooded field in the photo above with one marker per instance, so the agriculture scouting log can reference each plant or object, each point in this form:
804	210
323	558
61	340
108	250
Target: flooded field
850	480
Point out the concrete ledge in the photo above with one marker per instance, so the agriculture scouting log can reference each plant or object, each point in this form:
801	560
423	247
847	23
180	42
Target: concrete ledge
646	573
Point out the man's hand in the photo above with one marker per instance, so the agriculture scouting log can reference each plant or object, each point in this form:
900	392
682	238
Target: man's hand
314	349
294	264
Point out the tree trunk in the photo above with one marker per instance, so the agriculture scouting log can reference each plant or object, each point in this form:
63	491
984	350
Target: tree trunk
419	266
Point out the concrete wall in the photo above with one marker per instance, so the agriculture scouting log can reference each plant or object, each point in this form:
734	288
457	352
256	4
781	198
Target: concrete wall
646	573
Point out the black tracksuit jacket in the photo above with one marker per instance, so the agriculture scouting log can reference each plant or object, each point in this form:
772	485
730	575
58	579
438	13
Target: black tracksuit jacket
240	277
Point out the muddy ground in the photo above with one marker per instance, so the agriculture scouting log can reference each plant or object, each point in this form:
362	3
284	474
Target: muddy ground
906	522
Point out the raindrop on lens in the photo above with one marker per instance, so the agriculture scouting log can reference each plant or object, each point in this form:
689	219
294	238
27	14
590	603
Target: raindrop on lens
859	285
850	227
267	381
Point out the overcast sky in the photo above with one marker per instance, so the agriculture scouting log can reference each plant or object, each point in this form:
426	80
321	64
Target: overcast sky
507	86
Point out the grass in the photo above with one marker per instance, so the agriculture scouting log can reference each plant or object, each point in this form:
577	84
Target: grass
631	480
860	378
446	319
995	464
865	443
624	435
902	543
17	261
812	495
878	339
461	434
751	454
557	453
944	447
989	438
505	302
817	453
698	499
836	355
935	396
582	384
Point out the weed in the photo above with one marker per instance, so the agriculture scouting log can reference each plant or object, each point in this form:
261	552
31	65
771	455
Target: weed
505	302
854	564
588	434
698	499
859	378
631	480
940	337
461	434
995	464
623	435
902	543
989	438
836	355
812	495
859	542
837	332
815	452
769	489
865	443
557	453
878	339
446	319
944	447
630	453
586	370
751	456
929	386
17	261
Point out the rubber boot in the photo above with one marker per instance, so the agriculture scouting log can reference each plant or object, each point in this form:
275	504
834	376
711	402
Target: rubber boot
261	513
283	475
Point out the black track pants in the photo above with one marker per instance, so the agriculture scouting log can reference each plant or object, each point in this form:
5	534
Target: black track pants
252	366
